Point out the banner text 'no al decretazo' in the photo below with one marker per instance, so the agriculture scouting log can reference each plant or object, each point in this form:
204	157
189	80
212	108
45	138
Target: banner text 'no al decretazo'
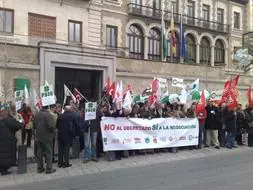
134	133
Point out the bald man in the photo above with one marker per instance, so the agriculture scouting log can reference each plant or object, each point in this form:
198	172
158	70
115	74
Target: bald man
66	125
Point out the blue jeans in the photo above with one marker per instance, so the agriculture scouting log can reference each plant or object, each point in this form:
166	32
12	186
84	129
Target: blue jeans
90	145
230	140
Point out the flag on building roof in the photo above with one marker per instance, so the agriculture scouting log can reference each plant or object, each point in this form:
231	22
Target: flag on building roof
173	34
165	43
182	39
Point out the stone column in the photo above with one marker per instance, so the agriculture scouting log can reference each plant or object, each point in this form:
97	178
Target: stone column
146	47
214	15
198	8
197	53
226	56
212	56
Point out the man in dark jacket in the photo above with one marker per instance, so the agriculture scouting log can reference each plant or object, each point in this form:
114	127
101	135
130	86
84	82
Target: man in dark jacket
45	130
222	131
249	128
213	123
67	127
231	125
90	138
8	142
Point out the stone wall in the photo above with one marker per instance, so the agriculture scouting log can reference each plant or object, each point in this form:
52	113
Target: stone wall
18	54
140	73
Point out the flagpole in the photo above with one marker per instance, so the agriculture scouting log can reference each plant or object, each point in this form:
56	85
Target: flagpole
171	47
163	30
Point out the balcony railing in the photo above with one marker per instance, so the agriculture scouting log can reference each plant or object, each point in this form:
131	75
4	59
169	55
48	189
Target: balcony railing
150	12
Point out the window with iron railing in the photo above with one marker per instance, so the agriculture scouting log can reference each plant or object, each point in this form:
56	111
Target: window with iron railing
136	6
190	12
220	19
237	20
206	15
156	12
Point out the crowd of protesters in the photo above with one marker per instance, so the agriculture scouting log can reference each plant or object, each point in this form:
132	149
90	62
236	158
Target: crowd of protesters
56	130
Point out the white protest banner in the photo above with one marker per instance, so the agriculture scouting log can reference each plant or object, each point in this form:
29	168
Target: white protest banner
47	95
190	88
90	110
163	87
19	95
177	82
134	133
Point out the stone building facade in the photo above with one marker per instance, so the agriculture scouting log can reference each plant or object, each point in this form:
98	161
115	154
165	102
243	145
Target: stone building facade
122	39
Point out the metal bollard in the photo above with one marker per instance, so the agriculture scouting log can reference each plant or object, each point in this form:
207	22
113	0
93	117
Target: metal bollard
22	159
76	148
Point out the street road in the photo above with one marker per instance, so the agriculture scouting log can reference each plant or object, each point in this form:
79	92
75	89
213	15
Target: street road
232	171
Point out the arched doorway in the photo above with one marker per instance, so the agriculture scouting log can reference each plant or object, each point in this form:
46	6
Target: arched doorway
219	53
135	42
205	51
154	44
190	49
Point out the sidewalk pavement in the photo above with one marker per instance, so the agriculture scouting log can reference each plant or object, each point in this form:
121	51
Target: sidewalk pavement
80	169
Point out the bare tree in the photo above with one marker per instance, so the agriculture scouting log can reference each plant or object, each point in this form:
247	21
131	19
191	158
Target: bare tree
6	87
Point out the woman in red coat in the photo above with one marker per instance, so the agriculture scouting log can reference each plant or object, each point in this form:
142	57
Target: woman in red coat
28	125
201	115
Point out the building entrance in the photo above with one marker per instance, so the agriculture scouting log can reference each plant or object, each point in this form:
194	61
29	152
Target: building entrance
88	82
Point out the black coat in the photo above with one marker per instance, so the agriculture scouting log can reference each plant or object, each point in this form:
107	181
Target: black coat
231	122
8	141
242	123
95	123
68	127
213	119
249	119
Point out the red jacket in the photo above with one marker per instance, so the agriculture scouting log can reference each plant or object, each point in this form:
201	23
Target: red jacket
26	117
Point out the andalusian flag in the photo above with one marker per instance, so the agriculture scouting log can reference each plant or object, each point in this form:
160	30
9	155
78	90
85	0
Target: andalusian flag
165	43
173	34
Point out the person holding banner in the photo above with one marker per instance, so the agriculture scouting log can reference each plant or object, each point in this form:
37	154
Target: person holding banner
90	138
